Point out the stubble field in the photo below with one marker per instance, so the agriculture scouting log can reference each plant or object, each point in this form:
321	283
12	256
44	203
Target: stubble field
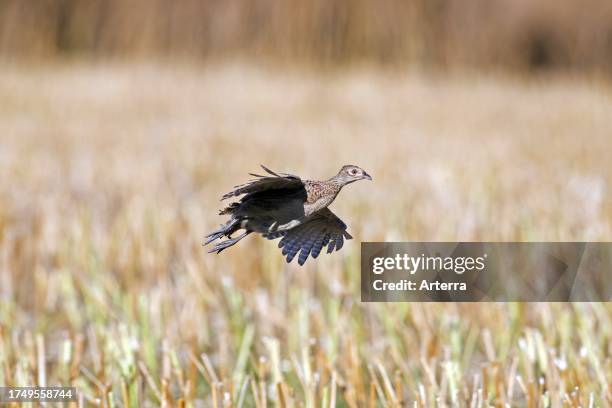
111	175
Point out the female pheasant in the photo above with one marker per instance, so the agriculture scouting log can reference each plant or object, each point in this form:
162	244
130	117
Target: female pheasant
283	205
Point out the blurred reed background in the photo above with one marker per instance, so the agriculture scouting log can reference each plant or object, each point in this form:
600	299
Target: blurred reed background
520	35
122	123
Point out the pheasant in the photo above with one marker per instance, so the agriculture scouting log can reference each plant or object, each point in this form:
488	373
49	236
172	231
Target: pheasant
281	205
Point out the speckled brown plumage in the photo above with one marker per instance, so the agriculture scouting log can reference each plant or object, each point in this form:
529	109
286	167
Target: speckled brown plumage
283	205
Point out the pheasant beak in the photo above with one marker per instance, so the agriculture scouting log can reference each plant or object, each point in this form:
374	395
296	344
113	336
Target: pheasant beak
367	176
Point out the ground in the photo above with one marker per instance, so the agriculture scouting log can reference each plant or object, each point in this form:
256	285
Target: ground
111	176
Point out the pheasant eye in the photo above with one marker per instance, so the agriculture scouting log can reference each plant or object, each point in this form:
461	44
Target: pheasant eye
353	172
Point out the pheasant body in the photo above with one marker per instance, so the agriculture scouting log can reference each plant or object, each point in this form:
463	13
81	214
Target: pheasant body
320	194
283	205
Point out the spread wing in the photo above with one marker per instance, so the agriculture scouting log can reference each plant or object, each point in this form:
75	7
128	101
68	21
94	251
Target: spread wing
323	228
274	181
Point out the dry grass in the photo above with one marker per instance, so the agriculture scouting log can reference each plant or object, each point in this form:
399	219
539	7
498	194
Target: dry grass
110	177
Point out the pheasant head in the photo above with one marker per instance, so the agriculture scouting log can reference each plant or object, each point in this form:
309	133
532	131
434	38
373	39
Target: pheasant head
350	173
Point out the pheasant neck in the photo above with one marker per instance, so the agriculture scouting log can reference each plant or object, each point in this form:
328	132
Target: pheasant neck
339	181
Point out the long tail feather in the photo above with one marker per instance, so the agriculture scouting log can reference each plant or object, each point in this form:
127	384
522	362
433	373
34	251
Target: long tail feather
224	229
213	236
220	246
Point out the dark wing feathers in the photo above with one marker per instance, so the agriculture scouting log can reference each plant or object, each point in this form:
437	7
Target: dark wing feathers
330	246
261	183
296	241
307	245
316	249
323	228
